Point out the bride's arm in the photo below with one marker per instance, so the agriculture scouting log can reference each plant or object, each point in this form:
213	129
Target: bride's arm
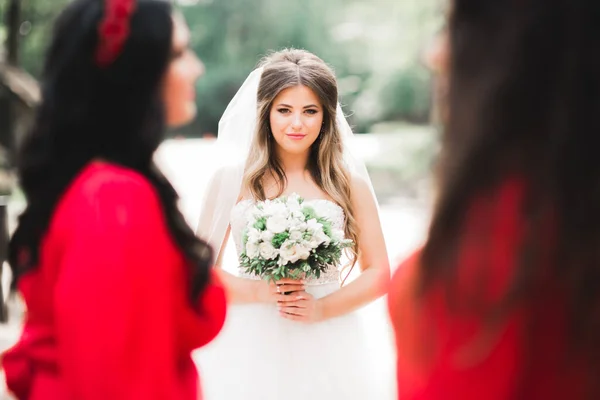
375	269
239	290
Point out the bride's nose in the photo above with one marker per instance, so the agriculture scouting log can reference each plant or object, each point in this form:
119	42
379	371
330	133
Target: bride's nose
296	122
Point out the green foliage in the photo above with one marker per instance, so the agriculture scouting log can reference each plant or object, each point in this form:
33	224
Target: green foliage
407	96
374	46
36	29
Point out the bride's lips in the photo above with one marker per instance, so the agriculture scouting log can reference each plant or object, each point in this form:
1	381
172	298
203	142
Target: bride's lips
296	136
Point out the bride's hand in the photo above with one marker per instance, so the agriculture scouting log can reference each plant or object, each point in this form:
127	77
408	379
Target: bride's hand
300	306
273	292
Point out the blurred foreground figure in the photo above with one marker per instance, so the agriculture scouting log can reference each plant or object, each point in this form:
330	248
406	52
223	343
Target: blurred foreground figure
117	286
503	302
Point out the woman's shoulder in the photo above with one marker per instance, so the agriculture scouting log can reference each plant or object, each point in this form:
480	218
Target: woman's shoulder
99	176
101	184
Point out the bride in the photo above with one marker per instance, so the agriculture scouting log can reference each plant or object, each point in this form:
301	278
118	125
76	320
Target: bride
286	127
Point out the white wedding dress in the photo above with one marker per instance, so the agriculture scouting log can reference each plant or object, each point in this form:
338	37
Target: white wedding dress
261	356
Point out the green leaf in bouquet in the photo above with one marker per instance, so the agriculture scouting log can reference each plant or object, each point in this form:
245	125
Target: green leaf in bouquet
309	212
279	239
260	224
346	243
326	226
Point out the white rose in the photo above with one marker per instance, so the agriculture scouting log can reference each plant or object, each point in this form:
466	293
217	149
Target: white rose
321	237
313	226
266	207
298	216
292	252
266	236
313	242
253	235
296	225
252	249
295	235
277	224
267	251
277	209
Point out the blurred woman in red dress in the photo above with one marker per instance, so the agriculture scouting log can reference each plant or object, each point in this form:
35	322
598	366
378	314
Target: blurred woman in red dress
503	301
118	289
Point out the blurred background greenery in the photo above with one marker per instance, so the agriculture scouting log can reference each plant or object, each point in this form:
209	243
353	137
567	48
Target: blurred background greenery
375	46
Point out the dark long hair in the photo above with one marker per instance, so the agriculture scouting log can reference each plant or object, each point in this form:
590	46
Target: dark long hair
524	100
113	113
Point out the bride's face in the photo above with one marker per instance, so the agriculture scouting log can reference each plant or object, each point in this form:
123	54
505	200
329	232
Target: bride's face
296	119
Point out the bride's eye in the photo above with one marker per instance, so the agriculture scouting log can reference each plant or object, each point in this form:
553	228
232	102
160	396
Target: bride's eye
283	110
312	111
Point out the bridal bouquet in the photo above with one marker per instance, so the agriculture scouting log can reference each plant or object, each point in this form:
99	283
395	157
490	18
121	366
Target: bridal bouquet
287	238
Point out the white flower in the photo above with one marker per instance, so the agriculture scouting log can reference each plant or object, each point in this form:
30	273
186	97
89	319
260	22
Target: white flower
313	226
296	224
252	249
292	252
254	235
297	216
317	238
313	243
276	209
266	236
267	251
295	235
293	203
322	238
277	224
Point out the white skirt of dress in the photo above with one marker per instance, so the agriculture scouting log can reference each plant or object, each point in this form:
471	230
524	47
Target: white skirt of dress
262	356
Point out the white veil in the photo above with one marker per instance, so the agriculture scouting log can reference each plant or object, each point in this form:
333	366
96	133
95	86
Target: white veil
236	131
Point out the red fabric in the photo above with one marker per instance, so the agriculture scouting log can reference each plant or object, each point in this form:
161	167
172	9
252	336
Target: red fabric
108	315
447	355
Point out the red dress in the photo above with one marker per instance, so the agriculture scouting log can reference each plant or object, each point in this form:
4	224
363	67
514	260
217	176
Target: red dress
108	311
444	355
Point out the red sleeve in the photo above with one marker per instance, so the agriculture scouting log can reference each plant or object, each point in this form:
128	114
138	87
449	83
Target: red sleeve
202	325
115	299
443	355
212	311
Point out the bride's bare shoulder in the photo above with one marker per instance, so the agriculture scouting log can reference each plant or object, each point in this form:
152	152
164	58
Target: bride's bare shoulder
360	187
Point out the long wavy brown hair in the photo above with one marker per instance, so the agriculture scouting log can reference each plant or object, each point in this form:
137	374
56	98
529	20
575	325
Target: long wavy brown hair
282	70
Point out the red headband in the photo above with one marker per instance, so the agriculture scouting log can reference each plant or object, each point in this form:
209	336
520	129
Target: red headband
113	30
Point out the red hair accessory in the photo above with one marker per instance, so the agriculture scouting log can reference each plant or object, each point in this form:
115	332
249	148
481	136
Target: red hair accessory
113	30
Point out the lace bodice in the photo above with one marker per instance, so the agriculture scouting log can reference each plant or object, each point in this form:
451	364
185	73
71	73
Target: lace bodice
326	207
